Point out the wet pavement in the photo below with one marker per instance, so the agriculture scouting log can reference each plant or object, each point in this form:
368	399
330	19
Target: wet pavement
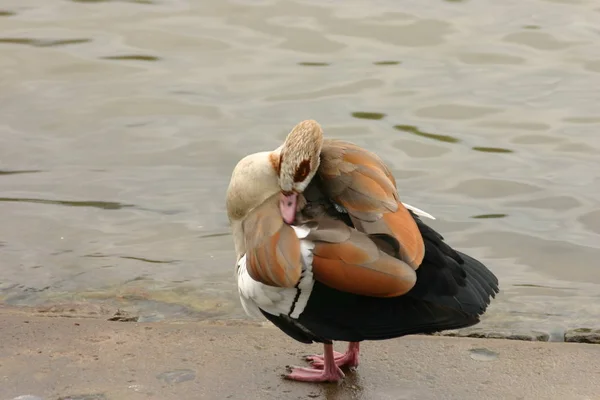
53	357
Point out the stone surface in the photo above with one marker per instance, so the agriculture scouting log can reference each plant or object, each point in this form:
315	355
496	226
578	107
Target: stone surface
533	336
94	396
583	335
483	354
27	397
67	358
123	316
177	376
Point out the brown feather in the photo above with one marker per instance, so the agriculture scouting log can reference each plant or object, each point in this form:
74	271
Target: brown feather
356	178
272	247
275	161
401	226
329	230
360	181
358	266
406	231
349	260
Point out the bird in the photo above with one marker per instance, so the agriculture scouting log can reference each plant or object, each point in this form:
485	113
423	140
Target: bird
326	251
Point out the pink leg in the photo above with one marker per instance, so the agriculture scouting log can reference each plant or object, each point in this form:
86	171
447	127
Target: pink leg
348	359
329	372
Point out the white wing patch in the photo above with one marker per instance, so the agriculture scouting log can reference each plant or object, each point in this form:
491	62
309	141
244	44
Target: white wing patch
256	296
418	211
306	280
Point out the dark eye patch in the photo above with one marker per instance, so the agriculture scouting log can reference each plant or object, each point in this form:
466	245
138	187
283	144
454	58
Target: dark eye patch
302	171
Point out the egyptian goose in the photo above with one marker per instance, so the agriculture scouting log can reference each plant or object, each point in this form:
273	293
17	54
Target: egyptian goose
326	251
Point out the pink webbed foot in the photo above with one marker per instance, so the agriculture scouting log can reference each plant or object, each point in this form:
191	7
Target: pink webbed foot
347	359
329	372
315	375
316	359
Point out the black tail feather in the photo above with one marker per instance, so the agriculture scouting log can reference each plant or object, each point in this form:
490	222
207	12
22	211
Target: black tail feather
452	291
451	278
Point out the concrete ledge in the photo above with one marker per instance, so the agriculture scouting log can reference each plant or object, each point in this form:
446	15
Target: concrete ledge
576	335
94	359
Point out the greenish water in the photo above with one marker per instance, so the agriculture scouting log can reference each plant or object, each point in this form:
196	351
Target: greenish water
120	123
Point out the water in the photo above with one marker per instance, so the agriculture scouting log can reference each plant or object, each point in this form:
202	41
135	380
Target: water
120	123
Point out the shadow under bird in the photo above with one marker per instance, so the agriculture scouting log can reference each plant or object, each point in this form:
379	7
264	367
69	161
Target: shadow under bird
327	251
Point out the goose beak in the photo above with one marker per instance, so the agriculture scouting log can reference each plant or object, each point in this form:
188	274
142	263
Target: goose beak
287	206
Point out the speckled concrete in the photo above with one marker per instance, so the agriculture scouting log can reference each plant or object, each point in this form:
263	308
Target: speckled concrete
94	359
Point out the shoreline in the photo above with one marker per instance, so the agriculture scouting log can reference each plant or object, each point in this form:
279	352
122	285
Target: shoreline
103	312
574	335
65	354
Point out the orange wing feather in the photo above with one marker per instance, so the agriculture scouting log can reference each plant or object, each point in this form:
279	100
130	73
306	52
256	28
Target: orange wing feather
355	264
359	181
272	247
406	231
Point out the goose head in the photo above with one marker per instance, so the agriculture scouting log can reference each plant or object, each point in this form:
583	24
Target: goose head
284	172
296	163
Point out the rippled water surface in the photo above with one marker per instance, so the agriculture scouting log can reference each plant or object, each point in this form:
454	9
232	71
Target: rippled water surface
120	123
